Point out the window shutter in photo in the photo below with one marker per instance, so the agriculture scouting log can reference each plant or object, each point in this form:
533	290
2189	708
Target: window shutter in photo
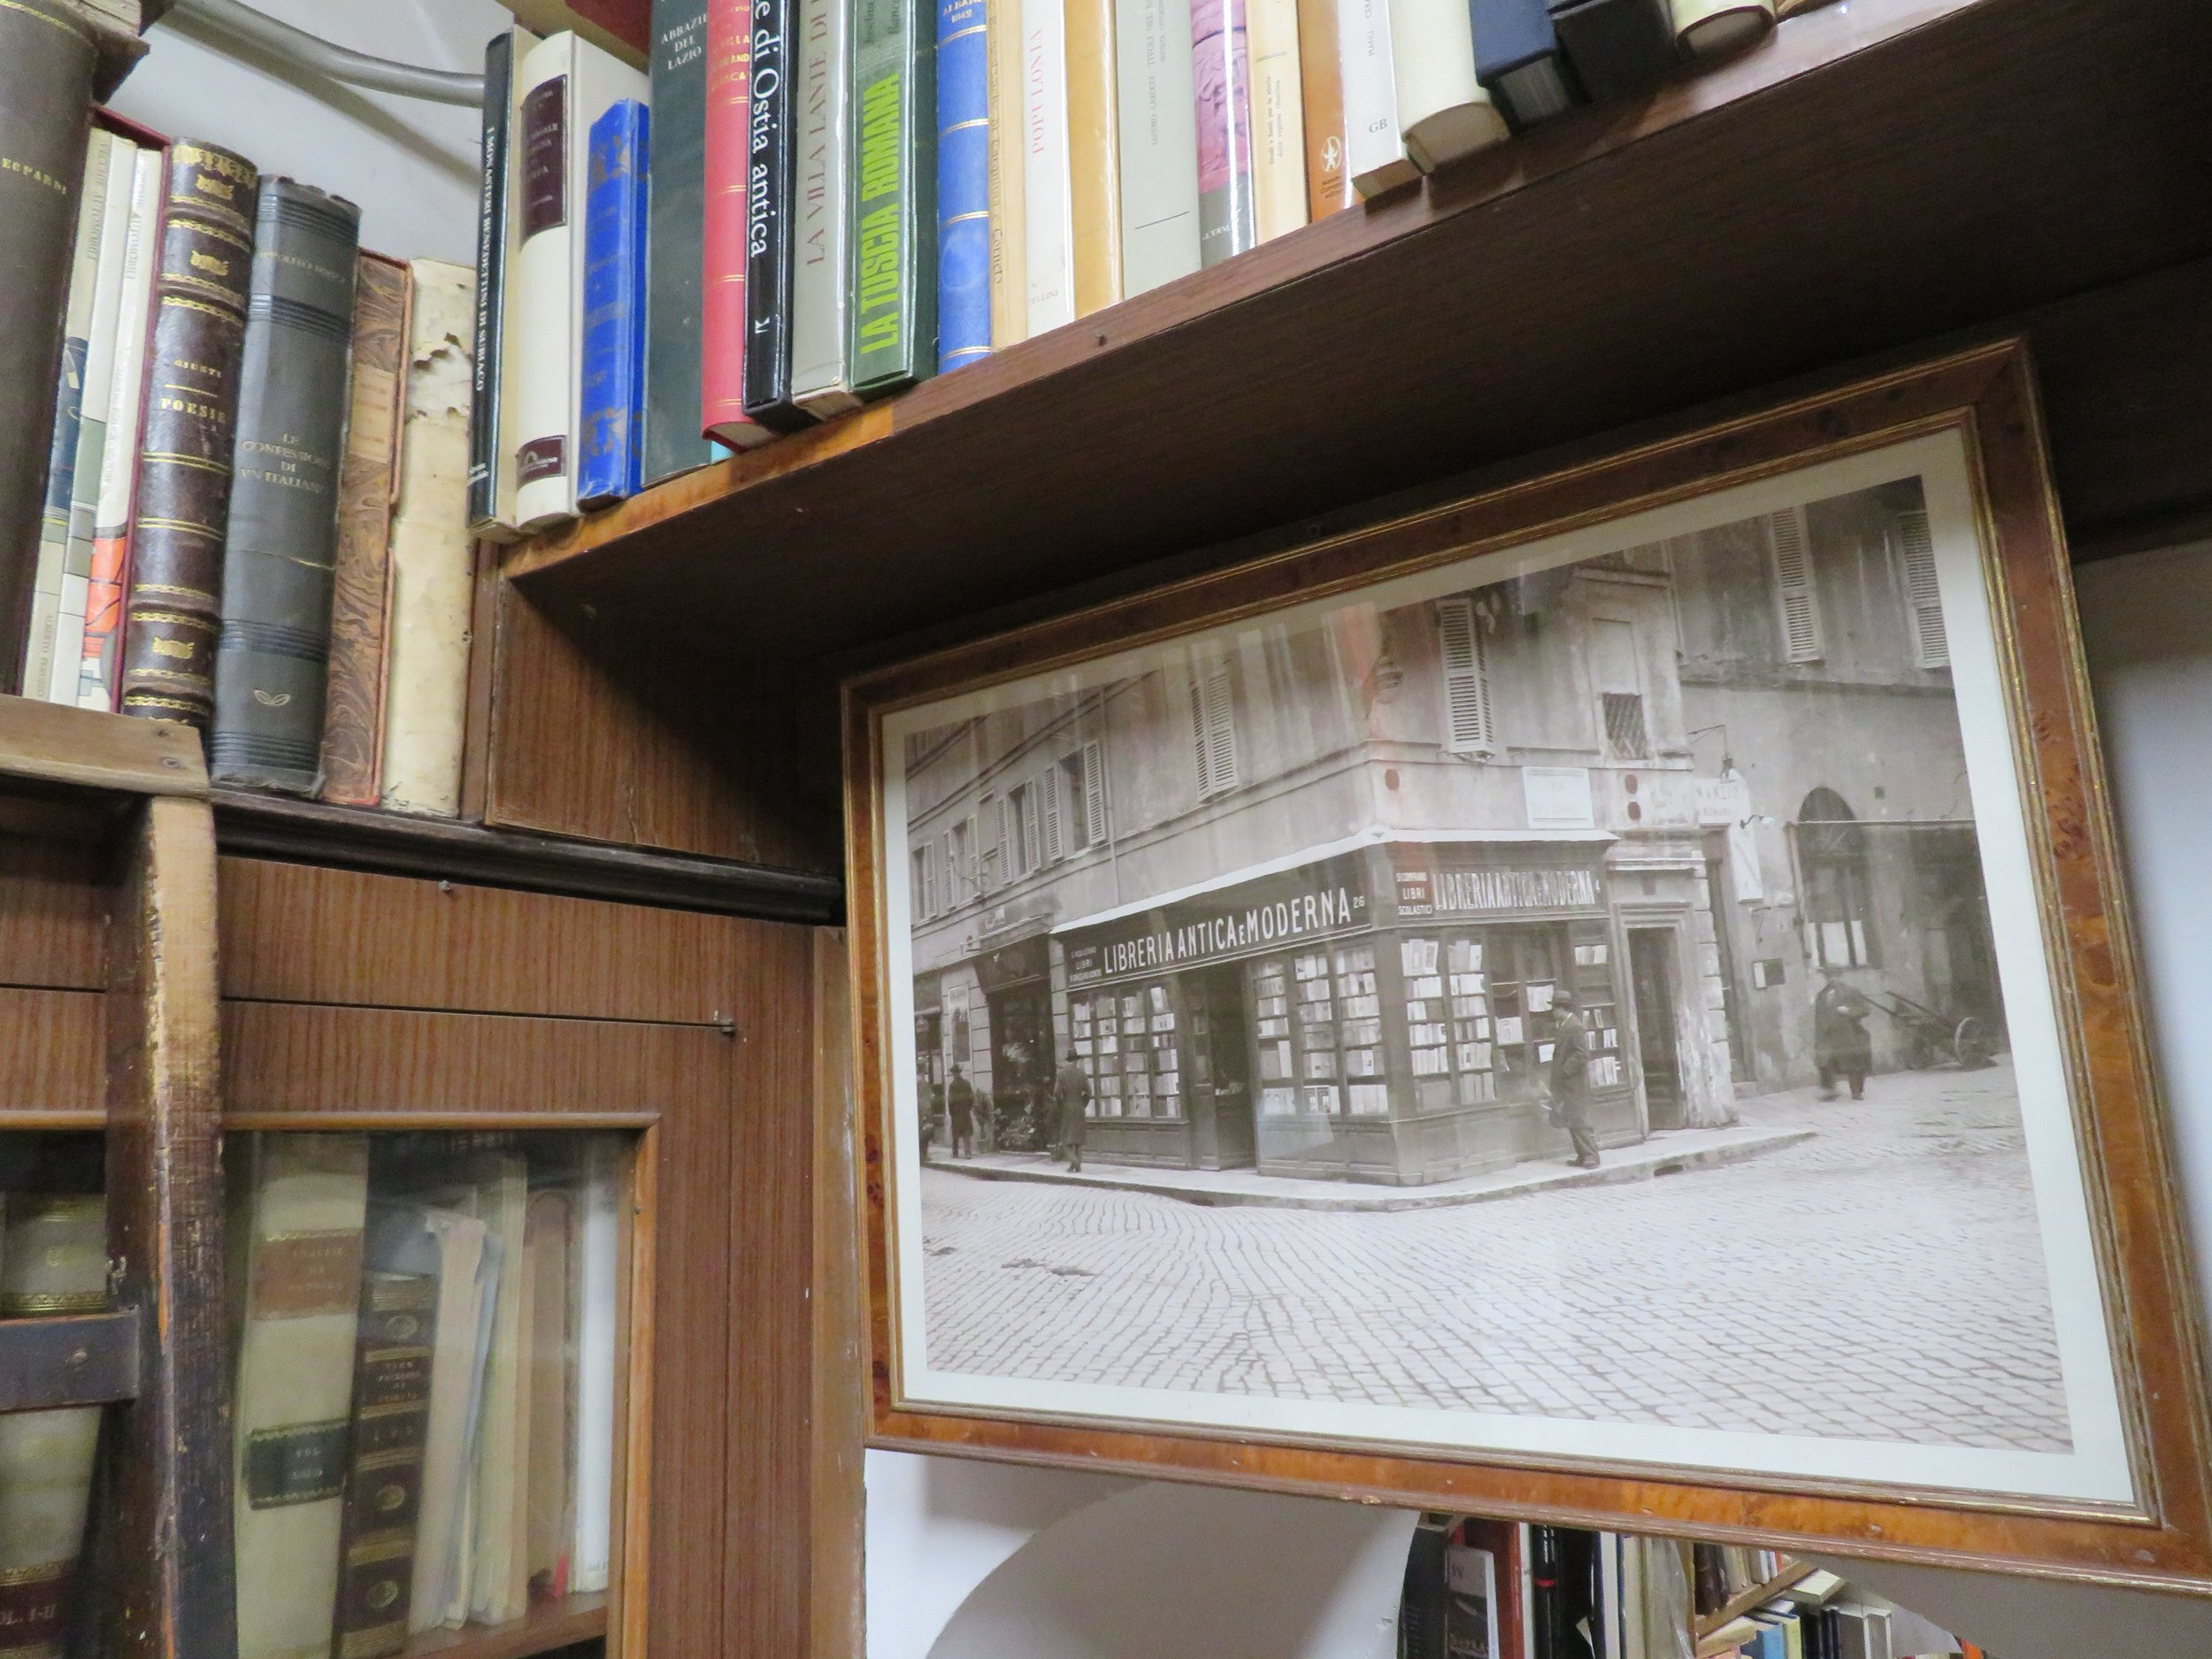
1923	603
1033	843
1466	678
929	878
1213	715
1056	844
1094	794
1008	841
1795	595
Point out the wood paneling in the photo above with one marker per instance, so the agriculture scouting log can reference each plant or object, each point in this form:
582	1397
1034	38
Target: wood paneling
1803	205
54	900
293	933
626	734
52	1057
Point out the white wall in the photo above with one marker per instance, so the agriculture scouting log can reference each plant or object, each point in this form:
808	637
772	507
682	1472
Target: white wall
1050	1566
410	165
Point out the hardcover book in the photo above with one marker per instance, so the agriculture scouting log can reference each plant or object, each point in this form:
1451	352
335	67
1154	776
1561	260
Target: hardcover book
1278	120
432	558
1517	60
183	491
617	27
1221	78
46	64
1159	142
92	685
368	480
1443	111
545	479
1714	28
1375	154
1011	114
1321	83
1094	152
278	562
820	382
1617	48
299	1203
61	448
725	255
894	228
677	161
963	187
1042	152
384	1464
457	1247
485	455
768	182
612	418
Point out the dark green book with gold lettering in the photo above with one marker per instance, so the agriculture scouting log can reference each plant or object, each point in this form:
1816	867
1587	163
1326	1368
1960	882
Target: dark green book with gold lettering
893	242
273	662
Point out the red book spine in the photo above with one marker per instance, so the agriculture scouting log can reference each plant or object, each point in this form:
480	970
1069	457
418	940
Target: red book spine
722	293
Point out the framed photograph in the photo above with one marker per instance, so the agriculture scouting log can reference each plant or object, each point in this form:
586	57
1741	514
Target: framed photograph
1607	999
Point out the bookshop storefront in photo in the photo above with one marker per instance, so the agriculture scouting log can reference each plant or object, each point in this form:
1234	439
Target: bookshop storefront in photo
1382	1014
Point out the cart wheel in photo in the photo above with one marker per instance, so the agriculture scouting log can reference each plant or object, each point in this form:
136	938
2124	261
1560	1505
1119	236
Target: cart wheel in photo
1970	1045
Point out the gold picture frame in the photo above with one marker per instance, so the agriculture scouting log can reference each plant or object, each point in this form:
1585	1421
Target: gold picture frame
1385	1000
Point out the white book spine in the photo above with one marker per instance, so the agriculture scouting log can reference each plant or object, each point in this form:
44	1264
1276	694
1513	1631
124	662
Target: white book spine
1159	142
1374	156
84	281
1278	118
1443	112
820	382
118	462
1050	244
99	384
541	338
599	1294
426	693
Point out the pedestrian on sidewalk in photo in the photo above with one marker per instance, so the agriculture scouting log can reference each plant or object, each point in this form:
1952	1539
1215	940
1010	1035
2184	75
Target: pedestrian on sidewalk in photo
1072	1093
960	1096
932	1100
1571	1081
1841	1049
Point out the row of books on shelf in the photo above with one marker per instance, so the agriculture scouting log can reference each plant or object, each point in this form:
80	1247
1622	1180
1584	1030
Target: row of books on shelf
805	204
423	1332
256	513
1481	1589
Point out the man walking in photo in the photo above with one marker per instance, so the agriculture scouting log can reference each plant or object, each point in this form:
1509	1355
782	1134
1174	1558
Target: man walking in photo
1571	1082
960	1097
1840	1045
1072	1093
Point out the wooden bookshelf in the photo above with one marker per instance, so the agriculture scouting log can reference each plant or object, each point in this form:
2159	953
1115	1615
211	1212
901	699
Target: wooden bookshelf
546	1627
1872	175
1757	1595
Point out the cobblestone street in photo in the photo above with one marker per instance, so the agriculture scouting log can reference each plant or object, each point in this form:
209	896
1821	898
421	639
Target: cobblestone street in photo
1881	1280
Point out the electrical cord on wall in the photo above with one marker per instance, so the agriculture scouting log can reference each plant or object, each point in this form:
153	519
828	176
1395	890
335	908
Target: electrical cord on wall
229	21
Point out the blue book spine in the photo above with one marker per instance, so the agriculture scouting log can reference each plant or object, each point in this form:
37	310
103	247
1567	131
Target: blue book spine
964	184
613	401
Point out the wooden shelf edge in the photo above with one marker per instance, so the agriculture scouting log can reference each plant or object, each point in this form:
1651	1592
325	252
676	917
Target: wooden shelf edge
545	1627
1757	1595
1808	43
390	843
84	1359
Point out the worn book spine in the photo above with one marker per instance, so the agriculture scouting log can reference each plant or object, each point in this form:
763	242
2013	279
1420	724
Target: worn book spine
1094	152
384	1465
46	63
963	183
545	477
300	1205
894	228
368	479
677	161
1321	91
425	698
1221	73
724	261
61	449
770	180
1159	142
1279	121
60	684
491	272
278	564
183	493
821	382
1047	195
93	683
1008	91
53	1260
612	414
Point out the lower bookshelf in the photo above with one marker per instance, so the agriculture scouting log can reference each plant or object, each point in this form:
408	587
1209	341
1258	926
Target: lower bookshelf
546	1627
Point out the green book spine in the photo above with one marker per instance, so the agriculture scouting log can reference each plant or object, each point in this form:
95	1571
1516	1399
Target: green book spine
893	245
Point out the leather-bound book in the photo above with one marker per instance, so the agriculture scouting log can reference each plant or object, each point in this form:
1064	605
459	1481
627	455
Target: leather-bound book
46	64
182	501
368	483
274	652
384	1470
